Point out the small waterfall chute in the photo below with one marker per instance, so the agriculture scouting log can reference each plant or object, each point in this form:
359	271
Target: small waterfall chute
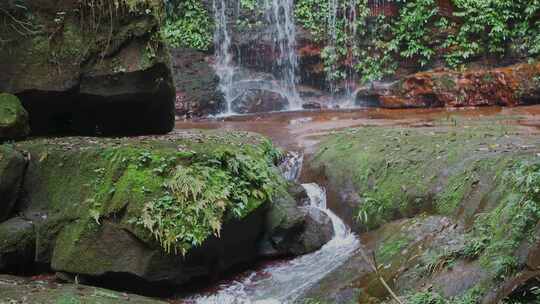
286	282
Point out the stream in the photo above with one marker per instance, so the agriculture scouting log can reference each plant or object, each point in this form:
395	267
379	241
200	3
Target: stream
284	282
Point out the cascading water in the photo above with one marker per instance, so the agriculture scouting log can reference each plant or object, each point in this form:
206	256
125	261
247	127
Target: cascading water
286	282
280	22
224	63
348	25
280	15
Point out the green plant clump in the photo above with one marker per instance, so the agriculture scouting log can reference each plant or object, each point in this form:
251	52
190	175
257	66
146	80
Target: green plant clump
199	197
497	234
188	24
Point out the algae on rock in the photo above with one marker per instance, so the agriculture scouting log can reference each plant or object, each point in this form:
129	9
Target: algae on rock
13	118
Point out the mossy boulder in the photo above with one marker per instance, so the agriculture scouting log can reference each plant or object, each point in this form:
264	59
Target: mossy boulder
79	69
13	118
178	207
12	166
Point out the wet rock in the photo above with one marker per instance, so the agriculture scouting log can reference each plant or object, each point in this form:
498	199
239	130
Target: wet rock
13	118
12	167
508	86
292	228
197	85
257	101
317	232
312	106
83	76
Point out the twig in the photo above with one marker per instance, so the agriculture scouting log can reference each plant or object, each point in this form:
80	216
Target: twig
372	264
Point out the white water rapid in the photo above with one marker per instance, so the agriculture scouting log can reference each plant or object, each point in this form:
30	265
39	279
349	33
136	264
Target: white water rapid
286	282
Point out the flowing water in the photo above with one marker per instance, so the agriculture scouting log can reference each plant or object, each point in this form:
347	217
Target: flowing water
280	16
234	79
285	282
224	62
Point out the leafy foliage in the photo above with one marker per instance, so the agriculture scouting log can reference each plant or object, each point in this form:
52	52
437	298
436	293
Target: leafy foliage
199	197
497	234
188	25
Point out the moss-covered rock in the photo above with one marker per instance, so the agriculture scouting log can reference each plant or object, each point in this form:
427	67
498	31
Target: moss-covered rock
13	118
469	182
177	207
78	68
184	206
12	166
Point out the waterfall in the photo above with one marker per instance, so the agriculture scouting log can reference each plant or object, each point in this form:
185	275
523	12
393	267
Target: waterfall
291	166
332	45
279	21
280	16
222	41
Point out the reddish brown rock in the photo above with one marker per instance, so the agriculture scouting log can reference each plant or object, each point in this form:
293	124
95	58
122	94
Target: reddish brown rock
508	86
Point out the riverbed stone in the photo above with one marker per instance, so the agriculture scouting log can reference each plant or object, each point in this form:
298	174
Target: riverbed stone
294	228
513	85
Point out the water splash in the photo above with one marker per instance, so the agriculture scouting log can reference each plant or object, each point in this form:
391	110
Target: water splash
285	283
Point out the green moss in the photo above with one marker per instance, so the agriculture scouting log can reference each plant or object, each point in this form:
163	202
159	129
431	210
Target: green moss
179	192
13	117
497	234
391	247
398	173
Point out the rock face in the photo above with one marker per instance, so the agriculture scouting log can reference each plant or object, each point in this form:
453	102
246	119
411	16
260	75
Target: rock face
257	101
12	167
13	118
197	85
76	72
508	86
85	200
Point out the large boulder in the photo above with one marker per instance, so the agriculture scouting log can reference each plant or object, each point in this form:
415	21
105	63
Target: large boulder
13	118
188	206
78	69
12	167
508	86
